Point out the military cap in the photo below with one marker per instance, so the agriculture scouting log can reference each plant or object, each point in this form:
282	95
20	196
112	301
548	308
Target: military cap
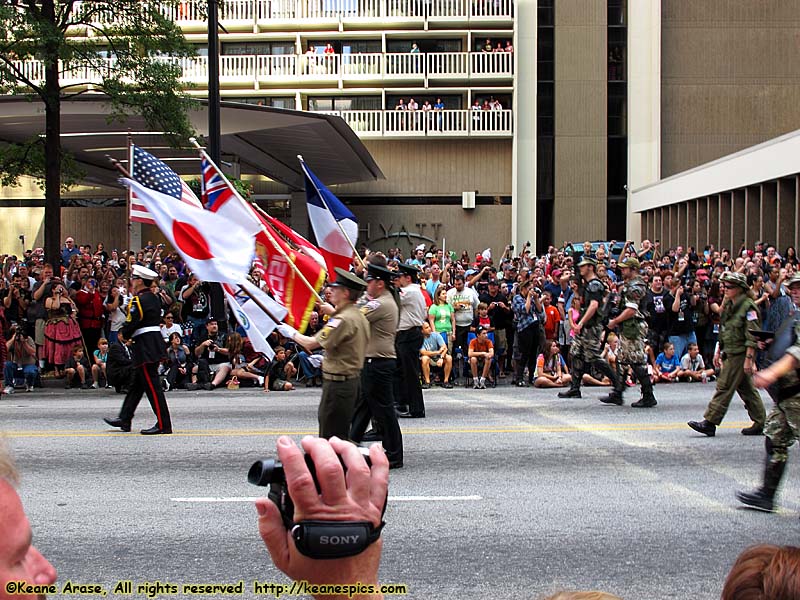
144	273
793	279
735	279
379	272
630	262
587	260
409	270
347	280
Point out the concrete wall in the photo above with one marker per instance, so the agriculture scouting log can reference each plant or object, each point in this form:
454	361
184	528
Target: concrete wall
581	106
473	230
730	77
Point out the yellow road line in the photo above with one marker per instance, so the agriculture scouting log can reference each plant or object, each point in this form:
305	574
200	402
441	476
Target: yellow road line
632	427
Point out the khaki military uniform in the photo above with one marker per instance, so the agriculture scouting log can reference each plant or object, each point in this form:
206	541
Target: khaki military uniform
376	401
344	338
737	322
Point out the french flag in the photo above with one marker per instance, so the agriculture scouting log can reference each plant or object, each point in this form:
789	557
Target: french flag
335	227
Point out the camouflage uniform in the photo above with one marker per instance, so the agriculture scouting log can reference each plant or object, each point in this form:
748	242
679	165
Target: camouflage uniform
587	347
782	428
633	331
632	339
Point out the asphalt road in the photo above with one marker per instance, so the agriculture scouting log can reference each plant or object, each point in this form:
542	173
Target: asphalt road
548	494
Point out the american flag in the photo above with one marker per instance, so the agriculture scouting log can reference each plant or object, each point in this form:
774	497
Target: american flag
150	172
215	192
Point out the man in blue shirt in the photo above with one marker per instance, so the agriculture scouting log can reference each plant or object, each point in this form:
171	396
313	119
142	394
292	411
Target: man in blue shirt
68	251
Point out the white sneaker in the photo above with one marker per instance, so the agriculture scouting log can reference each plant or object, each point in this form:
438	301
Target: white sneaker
483	382
9	389
477	385
94	385
28	388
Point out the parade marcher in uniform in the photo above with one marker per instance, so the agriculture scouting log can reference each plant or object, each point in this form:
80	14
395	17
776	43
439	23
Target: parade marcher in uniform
344	338
633	332
783	423
143	326
413	312
587	347
735	357
377	386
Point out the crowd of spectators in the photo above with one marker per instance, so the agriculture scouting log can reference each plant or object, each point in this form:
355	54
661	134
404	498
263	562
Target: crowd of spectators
515	315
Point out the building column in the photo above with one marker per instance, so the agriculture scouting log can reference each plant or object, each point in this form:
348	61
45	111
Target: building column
581	120
644	101
523	178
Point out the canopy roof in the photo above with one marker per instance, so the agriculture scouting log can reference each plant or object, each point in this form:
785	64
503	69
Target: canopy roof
264	140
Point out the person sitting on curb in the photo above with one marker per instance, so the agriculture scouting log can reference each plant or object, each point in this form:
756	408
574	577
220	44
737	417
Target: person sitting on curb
280	372
434	352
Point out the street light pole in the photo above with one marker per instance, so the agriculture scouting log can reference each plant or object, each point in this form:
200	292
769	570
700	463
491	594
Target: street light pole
213	83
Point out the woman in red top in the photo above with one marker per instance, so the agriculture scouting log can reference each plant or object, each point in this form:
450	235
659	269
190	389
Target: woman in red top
90	312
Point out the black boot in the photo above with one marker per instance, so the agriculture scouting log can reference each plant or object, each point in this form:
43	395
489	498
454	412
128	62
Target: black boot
124	425
648	399
614	397
705	427
764	497
574	390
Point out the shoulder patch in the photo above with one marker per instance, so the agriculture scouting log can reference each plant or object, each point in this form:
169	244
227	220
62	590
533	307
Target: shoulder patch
333	323
752	315
370	306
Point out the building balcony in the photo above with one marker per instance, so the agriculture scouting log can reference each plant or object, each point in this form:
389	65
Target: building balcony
296	71
415	124
255	15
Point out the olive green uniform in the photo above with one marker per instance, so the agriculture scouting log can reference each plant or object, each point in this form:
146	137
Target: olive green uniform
737	321
344	338
632	339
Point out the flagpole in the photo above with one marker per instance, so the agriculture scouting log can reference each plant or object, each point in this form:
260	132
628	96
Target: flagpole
128	201
263	228
280	249
344	233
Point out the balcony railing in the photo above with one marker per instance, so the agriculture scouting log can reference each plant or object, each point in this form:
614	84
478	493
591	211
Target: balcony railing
432	123
251	71
252	13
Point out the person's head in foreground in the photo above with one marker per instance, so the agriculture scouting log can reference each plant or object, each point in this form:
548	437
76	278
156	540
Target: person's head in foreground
19	560
764	572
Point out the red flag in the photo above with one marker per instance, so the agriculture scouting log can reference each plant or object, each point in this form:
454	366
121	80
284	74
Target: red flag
284	282
298	240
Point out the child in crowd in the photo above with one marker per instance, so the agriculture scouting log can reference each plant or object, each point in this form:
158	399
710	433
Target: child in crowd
76	365
100	357
667	365
280	372
693	368
551	368
482	319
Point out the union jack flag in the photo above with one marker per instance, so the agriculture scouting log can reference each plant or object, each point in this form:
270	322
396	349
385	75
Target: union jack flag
215	192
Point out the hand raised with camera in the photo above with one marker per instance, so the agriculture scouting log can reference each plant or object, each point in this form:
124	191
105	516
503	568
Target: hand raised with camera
358	495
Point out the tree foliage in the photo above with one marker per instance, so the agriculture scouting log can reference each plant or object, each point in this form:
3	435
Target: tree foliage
51	51
119	44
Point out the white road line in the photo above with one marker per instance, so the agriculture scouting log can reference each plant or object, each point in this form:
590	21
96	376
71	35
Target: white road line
391	499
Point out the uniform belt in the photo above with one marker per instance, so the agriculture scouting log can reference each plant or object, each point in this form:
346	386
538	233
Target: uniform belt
149	329
334	377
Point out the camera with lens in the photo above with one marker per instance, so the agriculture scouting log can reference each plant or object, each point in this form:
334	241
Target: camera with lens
269	473
511	247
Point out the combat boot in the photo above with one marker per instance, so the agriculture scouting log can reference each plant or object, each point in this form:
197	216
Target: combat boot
572	392
615	397
646	401
764	497
704	427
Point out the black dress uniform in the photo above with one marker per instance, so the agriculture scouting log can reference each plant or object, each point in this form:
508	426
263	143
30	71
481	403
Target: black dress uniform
143	326
377	387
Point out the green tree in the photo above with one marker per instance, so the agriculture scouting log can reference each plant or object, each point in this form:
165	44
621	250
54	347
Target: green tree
121	43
